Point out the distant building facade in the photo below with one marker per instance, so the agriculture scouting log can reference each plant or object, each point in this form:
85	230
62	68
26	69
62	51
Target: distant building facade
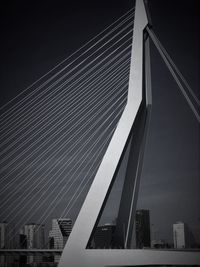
22	239
61	229
3	235
7	241
142	229
181	235
3	240
35	235
103	237
50	240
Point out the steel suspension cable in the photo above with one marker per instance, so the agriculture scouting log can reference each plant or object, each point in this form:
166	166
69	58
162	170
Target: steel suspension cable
71	78
39	122
192	107
38	88
20	185
47	140
28	189
80	165
176	69
88	176
46	161
37	132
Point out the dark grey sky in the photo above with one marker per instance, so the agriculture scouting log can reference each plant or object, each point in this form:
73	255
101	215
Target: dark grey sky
35	37
170	184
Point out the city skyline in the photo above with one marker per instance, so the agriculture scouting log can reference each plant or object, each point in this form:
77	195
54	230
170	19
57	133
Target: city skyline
36	236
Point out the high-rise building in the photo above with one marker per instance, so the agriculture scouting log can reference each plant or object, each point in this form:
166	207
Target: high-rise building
7	240
180	235
35	235
61	229
142	228
103	236
22	240
4	235
8	236
22	244
3	240
50	240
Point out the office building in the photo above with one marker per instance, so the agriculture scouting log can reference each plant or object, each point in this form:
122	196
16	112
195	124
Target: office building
142	229
35	235
3	240
180	235
61	229
103	237
3	235
50	240
22	240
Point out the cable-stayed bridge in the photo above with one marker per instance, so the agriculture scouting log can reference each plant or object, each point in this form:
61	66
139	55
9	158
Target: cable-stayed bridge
55	134
56	130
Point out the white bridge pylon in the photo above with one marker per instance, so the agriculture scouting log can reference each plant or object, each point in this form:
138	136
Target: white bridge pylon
132	126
